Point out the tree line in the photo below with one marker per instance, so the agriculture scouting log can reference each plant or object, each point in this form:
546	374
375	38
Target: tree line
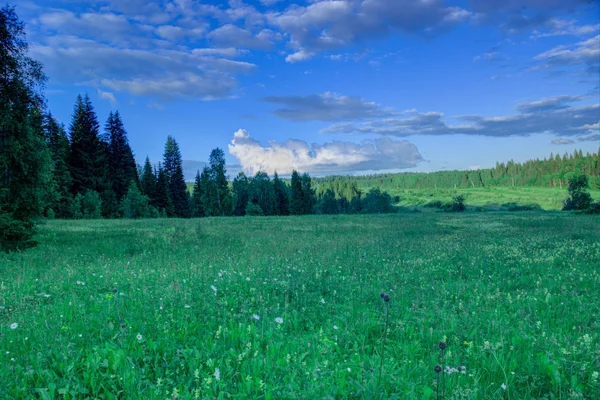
553	171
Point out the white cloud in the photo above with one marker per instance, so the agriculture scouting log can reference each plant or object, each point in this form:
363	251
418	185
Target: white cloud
335	157
233	36
562	141
584	52
300	55
107	96
561	27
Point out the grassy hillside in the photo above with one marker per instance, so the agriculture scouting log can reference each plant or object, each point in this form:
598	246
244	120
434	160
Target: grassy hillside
282	308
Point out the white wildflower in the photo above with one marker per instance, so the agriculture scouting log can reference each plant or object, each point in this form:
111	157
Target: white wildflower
139	337
256	316
323	301
279	320
503	386
14	325
187	306
217	374
335	327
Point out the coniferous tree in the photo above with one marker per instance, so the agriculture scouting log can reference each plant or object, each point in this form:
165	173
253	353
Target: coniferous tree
296	195
88	161
121	163
135	204
197	209
173	167
148	182
25	163
282	196
58	143
218	195
308	194
164	203
240	194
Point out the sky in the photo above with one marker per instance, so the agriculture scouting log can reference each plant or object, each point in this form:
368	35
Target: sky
330	86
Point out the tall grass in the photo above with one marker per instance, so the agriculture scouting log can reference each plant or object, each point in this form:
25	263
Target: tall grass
282	308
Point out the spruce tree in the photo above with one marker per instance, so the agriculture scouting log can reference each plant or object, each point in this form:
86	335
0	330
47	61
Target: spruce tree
148	182
88	161
196	207
308	194
296	195
121	163
25	163
262	193
282	196
174	170
240	194
219	193
164	203
58	143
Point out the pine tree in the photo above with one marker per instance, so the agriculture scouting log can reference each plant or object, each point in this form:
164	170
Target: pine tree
197	209
282	196
121	163
88	161
25	163
219	194
206	200
58	143
148	182
308	194
164	203
240	194
296	195
174	170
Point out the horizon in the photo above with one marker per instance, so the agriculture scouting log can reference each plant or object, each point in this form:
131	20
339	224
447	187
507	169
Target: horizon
330	87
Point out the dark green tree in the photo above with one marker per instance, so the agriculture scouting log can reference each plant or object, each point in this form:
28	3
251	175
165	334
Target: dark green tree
327	204
282	196
219	200
296	195
262	193
164	203
148	182
25	162
58	143
196	206
135	204
173	166
579	198
121	163
240	194
308	194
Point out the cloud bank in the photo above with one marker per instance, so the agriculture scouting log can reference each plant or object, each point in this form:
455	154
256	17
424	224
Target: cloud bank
335	157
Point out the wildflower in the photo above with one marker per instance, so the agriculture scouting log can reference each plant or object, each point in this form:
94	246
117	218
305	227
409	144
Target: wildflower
279	320
248	279
123	325
214	289
217	374
256	317
323	301
115	290
14	325
442	346
385	297
437	369
186	306
335	327
139	337
349	370
503	386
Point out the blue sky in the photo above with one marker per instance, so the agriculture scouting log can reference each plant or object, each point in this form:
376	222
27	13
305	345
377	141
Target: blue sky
330	86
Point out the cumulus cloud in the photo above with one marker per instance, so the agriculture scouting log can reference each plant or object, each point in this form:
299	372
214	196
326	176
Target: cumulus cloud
545	116
590	138
324	107
562	141
335	157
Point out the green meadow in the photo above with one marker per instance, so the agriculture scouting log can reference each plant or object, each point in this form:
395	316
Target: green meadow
290	308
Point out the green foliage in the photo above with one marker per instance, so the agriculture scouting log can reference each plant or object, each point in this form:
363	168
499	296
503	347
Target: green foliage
217	197
282	196
173	168
240	190
327	203
77	207
296	195
481	282
457	204
148	182
163	201
376	202
91	205
262	192
196	207
121	163
579	198
253	210
512	206
25	162
135	204
58	143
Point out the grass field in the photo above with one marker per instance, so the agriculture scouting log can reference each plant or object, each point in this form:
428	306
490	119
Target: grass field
492	197
290	308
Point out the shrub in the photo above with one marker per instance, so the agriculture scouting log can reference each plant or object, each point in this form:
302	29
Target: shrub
92	205
135	204
254	210
457	204
524	207
15	234
579	198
